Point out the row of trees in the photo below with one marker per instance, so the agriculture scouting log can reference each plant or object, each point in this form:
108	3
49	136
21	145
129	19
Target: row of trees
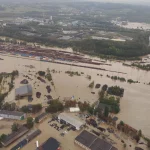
115	90
136	47
32	108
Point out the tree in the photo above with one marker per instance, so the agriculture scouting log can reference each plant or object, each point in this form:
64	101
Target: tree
91	85
124	145
15	127
104	88
48	71
139	133
121	123
101	94
148	143
41	73
55	106
137	138
30	122
106	112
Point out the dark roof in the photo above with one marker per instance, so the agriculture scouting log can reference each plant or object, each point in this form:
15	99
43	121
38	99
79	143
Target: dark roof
50	144
33	134
14	113
23	90
14	136
93	142
85	138
100	144
41	116
115	118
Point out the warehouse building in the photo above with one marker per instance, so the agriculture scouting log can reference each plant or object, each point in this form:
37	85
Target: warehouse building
12	115
23	91
88	141
72	120
14	136
26	140
50	144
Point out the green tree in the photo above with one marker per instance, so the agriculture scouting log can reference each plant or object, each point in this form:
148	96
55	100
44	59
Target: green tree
91	85
55	106
30	122
139	133
121	123
106	112
15	127
148	143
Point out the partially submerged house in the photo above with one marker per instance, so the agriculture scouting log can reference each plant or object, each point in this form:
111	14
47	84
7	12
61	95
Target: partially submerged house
23	91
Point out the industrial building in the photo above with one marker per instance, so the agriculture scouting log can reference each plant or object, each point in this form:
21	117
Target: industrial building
14	136
72	120
88	141
50	144
12	115
25	141
23	91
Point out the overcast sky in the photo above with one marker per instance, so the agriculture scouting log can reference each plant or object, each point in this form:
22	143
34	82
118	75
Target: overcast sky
144	2
124	1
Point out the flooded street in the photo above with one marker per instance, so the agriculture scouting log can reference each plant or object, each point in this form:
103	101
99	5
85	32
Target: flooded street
135	105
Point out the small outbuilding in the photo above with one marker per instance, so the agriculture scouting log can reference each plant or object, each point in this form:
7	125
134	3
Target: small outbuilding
23	91
41	117
74	109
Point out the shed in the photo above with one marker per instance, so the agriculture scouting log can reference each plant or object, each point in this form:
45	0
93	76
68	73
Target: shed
74	109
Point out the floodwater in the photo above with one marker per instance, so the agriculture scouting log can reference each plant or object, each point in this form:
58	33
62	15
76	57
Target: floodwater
135	25
135	105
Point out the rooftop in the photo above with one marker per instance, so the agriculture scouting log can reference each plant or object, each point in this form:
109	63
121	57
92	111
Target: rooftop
14	136
41	116
14	113
93	142
71	119
50	144
26	89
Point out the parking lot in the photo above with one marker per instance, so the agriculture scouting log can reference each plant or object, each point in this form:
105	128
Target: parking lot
61	132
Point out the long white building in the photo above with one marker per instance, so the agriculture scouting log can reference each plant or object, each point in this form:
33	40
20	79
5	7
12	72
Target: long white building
12	115
70	119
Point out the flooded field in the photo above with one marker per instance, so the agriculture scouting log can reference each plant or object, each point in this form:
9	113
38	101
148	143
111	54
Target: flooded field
134	25
135	105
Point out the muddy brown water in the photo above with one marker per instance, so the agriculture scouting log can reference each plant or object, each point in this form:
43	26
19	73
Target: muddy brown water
135	105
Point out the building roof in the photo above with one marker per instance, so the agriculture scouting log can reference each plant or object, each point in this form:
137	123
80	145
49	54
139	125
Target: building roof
14	136
33	134
93	142
71	120
50	144
41	116
23	90
74	109
13	113
86	138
